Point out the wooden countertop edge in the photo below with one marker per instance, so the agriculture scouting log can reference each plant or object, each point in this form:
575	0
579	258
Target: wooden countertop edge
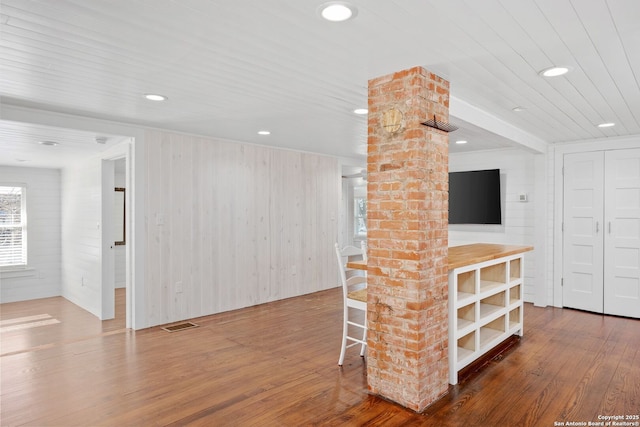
462	256
468	253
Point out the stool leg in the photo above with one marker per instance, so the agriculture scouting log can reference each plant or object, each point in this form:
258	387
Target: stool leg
364	335
345	327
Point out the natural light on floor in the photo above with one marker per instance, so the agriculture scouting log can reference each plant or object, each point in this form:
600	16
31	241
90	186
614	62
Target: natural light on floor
27	322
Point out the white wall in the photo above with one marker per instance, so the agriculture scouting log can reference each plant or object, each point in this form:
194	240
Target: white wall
517	176
42	278
136	165
231	225
82	235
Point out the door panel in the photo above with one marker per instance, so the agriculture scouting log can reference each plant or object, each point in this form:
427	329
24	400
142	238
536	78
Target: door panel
622	236
583	243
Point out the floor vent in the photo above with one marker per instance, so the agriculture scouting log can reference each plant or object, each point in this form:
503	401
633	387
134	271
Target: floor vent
180	327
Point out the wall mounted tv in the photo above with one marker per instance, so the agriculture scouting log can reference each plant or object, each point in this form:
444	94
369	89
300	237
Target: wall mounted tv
474	197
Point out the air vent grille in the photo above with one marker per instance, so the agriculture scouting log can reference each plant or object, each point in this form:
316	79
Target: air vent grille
180	327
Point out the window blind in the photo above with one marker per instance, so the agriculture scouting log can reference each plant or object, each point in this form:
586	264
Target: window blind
12	227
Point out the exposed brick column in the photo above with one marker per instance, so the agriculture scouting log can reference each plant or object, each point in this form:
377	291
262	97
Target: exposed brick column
407	220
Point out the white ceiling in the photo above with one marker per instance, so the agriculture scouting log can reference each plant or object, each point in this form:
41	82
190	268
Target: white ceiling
232	68
21	144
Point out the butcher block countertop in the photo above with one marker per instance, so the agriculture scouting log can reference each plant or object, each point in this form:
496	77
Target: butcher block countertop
460	256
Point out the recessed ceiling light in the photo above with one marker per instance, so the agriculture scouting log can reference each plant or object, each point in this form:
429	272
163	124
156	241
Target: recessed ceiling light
155	97
518	109
462	141
361	111
338	11
264	132
606	125
554	71
48	143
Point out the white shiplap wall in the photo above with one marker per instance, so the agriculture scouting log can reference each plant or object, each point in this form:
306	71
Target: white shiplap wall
82	235
517	175
42	279
231	225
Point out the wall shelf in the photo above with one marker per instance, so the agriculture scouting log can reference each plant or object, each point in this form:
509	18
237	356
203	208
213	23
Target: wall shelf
485	308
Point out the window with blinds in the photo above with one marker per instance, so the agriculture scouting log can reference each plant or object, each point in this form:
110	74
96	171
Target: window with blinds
13	250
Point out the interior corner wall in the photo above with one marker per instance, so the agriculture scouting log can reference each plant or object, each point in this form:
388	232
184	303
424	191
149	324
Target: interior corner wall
81	235
230	225
42	278
517	176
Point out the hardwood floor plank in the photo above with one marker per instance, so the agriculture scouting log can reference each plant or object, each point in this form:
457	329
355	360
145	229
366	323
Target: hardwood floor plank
572	358
276	364
506	374
624	388
632	388
584	403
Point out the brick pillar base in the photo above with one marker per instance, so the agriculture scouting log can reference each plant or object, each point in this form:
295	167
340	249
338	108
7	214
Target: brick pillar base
407	220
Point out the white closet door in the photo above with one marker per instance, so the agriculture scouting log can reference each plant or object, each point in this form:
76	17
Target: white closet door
622	233
583	227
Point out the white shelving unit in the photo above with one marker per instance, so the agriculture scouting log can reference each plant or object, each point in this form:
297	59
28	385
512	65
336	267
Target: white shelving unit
485	308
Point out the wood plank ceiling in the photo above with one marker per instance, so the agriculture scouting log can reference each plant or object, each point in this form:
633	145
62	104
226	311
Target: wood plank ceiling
232	68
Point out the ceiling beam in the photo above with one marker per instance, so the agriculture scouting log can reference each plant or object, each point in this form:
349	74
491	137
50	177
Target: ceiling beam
467	112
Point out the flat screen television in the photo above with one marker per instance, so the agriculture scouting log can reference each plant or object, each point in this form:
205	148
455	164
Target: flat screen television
474	197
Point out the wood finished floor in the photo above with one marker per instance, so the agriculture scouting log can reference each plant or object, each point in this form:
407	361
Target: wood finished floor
275	365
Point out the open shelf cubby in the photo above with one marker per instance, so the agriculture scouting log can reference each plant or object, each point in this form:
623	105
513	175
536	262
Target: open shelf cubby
466	285
492	304
492	331
486	307
466	316
515	294
466	346
515	269
515	319
492	277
